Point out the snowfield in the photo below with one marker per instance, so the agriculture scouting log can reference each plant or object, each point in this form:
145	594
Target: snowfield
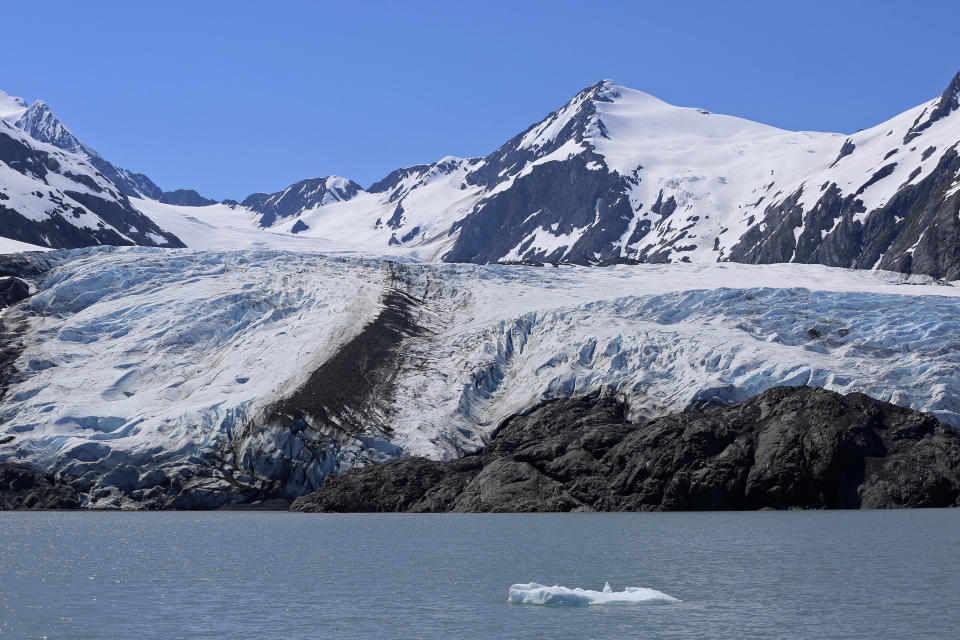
186	377
8	245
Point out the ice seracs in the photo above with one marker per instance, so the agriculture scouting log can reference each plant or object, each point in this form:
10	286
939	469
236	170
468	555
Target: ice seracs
164	364
538	594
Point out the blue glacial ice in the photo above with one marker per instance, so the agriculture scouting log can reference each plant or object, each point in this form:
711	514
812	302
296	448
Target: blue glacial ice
166	365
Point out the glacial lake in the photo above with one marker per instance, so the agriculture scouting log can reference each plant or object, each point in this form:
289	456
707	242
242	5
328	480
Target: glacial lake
873	574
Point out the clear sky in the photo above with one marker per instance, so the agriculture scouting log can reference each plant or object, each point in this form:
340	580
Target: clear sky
235	97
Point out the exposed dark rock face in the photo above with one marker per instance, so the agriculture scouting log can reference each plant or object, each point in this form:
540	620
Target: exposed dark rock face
917	231
299	197
789	447
564	196
847	148
121	223
947	104
514	154
185	198
40	123
12	291
24	488
134	185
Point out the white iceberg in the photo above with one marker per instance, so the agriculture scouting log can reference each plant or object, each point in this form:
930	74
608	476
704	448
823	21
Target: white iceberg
533	593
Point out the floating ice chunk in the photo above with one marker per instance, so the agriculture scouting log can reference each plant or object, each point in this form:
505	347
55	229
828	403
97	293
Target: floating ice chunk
533	593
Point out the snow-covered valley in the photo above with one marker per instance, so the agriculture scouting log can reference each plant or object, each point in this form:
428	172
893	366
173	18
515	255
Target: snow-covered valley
189	378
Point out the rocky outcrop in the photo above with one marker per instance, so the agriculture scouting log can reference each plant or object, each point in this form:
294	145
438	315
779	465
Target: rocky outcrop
24	488
12	291
40	123
789	447
917	231
583	203
185	198
70	203
299	197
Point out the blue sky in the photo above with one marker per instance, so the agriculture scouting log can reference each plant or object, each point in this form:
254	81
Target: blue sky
235	97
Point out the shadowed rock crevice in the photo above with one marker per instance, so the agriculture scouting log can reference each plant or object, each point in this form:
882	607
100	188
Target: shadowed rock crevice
17	271
787	448
24	488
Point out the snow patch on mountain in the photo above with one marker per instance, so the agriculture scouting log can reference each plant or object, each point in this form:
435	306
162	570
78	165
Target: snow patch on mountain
11	107
14	246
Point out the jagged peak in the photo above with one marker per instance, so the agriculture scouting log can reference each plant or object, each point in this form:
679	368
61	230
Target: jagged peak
947	103
579	118
608	89
41	123
40	111
950	99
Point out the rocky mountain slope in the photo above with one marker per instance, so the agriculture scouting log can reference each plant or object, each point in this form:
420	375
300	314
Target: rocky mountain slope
159	378
789	447
40	123
55	198
618	175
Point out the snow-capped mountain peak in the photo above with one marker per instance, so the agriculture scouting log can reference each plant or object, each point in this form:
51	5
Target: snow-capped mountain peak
570	122
617	174
39	122
54	198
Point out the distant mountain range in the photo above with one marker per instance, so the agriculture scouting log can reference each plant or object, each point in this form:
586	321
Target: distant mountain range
615	175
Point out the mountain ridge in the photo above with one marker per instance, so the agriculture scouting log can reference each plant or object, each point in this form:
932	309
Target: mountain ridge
40	122
617	175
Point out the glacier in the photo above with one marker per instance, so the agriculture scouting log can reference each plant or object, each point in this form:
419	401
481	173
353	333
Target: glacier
538	594
189	378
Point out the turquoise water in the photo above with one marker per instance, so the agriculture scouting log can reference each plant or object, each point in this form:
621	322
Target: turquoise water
880	574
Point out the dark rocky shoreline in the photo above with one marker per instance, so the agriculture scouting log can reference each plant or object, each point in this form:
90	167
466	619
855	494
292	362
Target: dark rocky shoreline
25	488
787	448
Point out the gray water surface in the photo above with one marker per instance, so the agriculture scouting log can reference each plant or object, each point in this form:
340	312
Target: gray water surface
874	574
